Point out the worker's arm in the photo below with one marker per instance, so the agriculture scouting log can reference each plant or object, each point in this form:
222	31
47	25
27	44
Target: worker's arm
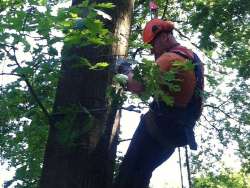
124	67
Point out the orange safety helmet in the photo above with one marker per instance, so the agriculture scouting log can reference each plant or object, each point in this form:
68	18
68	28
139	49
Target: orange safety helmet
155	26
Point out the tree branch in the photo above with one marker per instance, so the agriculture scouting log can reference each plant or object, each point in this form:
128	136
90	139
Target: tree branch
164	11
184	36
10	74
226	114
124	140
138	50
23	76
209	122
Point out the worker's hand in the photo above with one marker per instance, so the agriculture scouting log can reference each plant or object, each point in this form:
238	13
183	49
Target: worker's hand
133	85
123	67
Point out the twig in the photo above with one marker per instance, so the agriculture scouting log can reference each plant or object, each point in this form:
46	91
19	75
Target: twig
226	114
218	130
136	51
7	45
32	91
124	140
184	36
10	74
13	57
165	10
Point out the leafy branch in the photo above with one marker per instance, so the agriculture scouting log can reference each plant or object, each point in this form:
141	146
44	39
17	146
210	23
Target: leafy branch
159	84
29	85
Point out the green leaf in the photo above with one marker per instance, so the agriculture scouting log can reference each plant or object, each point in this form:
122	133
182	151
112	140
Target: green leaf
85	62
43	2
100	66
121	79
26	44
24	71
167	99
52	51
104	5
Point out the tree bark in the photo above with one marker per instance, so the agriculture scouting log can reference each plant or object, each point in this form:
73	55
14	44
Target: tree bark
82	137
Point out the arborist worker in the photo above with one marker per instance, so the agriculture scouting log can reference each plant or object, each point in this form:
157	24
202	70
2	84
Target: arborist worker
163	127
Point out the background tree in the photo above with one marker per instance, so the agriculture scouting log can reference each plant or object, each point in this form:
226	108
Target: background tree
29	46
228	178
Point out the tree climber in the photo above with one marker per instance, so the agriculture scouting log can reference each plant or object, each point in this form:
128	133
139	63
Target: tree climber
162	128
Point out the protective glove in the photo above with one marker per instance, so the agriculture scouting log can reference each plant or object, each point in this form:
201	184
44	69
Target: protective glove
122	66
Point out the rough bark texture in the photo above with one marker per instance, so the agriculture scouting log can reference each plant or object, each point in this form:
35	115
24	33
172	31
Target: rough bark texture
81	146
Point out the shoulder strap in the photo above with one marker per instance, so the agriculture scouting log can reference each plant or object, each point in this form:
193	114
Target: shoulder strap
198	71
198	66
182	54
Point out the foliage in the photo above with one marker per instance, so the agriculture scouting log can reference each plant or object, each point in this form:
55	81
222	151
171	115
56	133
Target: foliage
26	28
154	80
81	25
32	33
225	179
224	24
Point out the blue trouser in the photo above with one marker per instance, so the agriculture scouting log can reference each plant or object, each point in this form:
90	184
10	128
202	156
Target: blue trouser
143	156
146	152
175	125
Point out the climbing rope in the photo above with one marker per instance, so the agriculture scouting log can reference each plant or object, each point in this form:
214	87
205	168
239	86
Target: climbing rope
180	164
188	168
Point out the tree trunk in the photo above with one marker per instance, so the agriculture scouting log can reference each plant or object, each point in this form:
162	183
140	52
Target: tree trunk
82	137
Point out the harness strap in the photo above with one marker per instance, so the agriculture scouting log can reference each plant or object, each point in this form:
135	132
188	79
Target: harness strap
198	66
198	70
182	54
149	118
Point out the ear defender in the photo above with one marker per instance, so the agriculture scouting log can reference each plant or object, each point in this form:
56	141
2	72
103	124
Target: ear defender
155	28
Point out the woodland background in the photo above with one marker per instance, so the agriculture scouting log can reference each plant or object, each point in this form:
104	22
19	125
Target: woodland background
38	41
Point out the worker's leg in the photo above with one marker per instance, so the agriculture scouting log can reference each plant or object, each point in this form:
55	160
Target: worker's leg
143	156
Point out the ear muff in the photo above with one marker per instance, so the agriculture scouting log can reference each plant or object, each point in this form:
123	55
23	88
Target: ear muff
155	28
